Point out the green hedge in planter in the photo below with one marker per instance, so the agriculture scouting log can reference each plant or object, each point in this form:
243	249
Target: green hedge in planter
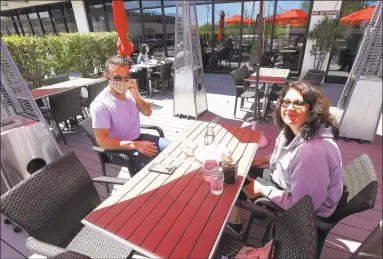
81	52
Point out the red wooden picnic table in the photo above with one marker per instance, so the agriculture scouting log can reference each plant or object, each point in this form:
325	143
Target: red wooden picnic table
176	216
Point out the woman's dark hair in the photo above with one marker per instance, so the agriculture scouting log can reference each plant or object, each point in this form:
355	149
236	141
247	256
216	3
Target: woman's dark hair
318	113
143	48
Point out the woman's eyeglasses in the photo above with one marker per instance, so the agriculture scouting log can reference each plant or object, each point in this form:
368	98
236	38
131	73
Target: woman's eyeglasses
119	77
296	104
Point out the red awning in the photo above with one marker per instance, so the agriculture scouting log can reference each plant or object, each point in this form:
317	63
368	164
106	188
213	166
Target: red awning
358	17
291	16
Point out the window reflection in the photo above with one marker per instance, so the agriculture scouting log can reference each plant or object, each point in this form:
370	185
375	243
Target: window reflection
226	51
341	61
204	14
170	17
148	4
154	36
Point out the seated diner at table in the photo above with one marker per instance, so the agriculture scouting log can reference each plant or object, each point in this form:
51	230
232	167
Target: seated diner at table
306	160
116	119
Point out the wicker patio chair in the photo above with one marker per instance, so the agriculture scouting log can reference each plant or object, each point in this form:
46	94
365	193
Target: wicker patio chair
106	155
294	234
360	187
93	90
50	205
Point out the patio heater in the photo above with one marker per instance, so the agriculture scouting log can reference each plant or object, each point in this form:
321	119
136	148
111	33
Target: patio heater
27	144
189	83
360	106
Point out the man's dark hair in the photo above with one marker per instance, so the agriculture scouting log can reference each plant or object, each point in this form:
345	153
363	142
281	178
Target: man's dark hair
118	60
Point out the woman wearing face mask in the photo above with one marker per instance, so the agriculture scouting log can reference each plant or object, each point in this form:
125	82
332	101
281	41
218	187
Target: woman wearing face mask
306	160
143	55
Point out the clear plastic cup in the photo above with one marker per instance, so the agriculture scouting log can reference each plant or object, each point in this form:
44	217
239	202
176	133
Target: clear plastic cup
209	168
216	183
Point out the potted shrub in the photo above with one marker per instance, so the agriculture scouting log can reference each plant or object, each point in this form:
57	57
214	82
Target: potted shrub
323	35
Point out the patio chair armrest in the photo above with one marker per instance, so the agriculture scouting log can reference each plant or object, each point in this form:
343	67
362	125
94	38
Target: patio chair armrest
109	179
51	251
257	210
107	151
268	203
156	128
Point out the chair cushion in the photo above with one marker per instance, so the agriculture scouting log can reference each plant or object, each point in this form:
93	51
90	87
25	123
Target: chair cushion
97	245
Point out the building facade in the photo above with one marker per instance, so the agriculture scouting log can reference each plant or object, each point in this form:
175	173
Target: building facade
153	22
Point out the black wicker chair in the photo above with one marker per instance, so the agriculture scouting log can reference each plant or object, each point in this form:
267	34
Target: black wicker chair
294	234
64	107
106	155
50	205
165	75
93	90
360	187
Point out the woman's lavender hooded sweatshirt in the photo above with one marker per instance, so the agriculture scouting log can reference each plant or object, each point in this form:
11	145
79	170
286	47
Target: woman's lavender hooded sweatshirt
307	167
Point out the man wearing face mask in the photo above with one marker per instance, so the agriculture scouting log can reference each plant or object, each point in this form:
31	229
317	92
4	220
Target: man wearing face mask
116	119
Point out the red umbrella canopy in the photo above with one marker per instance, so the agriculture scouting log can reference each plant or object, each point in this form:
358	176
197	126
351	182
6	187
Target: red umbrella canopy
236	19
289	16
124	46
221	26
358	17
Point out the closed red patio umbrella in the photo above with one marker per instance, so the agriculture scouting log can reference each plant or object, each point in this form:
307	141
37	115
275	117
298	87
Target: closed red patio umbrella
124	46
221	26
358	17
288	17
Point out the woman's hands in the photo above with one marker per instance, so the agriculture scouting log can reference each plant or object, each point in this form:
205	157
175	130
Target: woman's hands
260	161
253	189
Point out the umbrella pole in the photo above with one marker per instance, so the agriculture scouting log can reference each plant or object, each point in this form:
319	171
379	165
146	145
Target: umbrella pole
263	141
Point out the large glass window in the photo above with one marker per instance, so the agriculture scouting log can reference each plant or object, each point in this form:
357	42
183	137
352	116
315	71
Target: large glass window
7	26
170	17
286	48
150	4
154	34
342	59
204	14
226	50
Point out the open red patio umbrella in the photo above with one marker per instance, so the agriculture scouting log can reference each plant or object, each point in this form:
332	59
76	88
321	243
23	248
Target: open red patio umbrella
358	17
124	46
291	16
236	19
221	26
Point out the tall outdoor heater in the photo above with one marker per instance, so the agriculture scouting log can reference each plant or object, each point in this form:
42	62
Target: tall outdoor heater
27	144
189	84
360	106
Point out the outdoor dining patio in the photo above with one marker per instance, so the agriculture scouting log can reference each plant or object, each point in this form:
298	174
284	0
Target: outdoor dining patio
342	241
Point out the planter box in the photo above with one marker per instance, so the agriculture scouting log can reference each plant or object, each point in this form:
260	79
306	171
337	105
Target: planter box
315	77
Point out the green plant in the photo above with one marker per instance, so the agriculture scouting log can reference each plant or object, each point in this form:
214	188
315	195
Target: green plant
324	36
81	52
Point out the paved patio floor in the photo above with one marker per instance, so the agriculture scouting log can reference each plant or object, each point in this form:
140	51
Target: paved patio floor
343	240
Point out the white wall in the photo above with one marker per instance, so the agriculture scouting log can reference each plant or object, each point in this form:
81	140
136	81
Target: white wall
80	16
308	60
14	5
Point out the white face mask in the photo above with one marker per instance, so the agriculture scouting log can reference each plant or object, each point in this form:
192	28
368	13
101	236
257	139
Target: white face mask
119	87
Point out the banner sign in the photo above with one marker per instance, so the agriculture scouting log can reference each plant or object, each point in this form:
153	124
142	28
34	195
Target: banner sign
328	12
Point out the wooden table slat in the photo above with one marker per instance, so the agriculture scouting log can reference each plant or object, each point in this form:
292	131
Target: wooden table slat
178	141
135	221
156	215
169	242
204	246
141	199
119	194
176	215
